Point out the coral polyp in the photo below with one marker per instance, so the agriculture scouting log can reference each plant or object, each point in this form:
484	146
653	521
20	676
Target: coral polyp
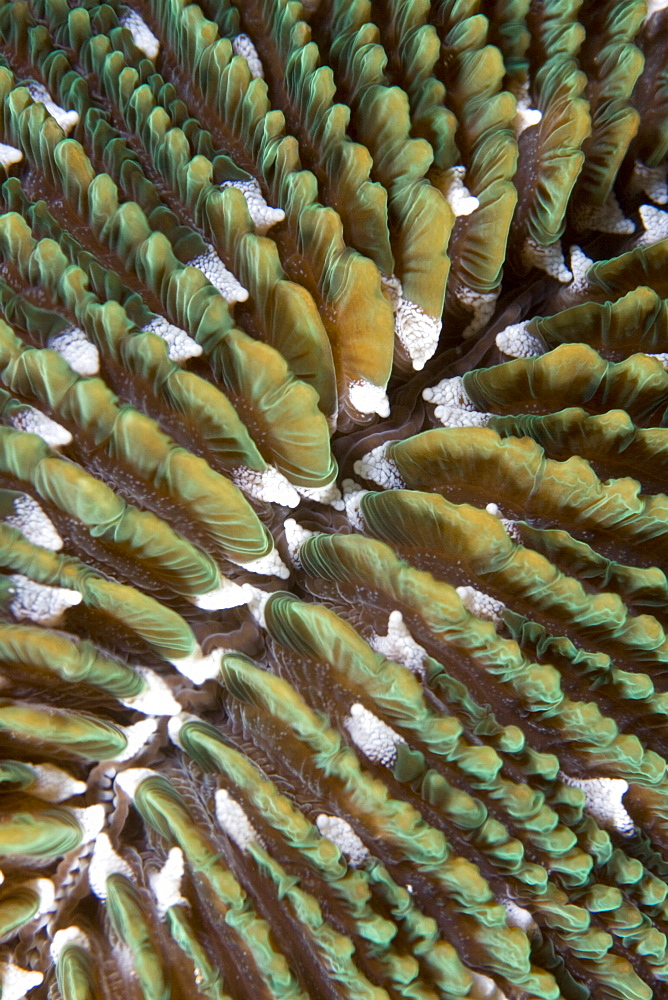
333	442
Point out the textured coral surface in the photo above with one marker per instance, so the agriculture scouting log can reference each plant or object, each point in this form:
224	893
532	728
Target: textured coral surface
333	430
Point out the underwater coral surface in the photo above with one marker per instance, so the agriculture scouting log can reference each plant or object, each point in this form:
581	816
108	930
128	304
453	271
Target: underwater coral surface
334	430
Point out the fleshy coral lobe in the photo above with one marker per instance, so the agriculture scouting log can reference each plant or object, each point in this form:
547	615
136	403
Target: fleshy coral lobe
333	449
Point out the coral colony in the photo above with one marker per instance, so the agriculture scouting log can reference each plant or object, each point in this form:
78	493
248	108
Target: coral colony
334	396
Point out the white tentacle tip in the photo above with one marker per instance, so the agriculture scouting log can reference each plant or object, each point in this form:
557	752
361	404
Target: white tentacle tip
366	398
137	736
212	267
142	35
156	697
417	332
268	485
329	494
180	346
234	821
548	258
130	780
341	833
460	199
243	46
66	119
653	181
38	603
72	936
655	223
77	350
262	215
352	496
91	819
603	801
55	785
104	863
481	605
46	894
33	421
517	341
378	468
176	724
605	218
33	523
166	883
9	155
257	605
399	645
199	668
227	595
269	565
16	982
377	741
295	536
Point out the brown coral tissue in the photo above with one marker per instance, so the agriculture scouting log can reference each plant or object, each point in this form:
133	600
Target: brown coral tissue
333	442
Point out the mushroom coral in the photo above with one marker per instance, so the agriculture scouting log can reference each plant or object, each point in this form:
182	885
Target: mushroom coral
333	441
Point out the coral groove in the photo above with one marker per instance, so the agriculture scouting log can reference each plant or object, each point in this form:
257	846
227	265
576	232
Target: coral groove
333	500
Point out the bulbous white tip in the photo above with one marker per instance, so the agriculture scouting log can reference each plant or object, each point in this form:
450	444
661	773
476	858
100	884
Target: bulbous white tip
16	982
227	595
68	936
130	780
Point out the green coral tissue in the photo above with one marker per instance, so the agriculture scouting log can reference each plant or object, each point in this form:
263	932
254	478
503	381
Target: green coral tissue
334	500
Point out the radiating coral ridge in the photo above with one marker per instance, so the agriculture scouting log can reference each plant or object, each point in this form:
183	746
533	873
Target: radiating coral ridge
333	441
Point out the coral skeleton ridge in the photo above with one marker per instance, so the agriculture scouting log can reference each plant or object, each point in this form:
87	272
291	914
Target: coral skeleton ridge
333	500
